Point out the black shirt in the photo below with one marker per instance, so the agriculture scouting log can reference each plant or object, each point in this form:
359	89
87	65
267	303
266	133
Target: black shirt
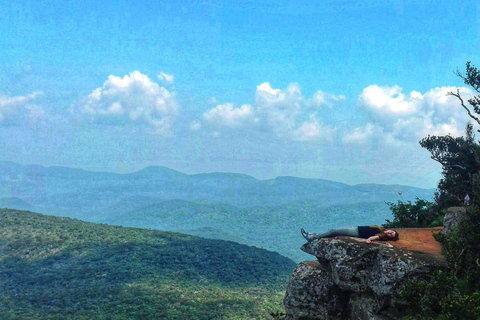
368	231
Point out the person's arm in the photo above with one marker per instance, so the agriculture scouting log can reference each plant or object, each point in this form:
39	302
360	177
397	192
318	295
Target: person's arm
373	238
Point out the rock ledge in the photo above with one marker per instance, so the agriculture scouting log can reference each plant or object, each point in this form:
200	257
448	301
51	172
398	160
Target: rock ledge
353	280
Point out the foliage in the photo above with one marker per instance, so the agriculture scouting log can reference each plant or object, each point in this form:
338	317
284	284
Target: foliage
278	315
472	78
420	214
462	250
425	297
59	268
458	157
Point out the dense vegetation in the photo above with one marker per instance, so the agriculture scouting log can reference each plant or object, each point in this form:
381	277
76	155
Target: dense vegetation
419	214
59	268
453	293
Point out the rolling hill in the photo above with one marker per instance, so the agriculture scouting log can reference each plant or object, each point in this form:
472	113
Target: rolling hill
61	268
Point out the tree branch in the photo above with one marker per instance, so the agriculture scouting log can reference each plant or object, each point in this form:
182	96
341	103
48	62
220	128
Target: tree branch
459	97
458	166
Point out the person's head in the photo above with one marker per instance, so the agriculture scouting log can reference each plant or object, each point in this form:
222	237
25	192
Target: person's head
388	235
391	234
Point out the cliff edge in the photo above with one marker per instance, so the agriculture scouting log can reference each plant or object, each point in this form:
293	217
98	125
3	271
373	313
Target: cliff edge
354	280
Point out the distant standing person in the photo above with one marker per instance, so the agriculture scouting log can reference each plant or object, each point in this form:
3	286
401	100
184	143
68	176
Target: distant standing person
371	233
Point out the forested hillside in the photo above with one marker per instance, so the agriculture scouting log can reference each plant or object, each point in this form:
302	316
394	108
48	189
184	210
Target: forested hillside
59	268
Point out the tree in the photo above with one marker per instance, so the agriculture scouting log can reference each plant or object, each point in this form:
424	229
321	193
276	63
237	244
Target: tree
471	78
421	214
459	157
459	160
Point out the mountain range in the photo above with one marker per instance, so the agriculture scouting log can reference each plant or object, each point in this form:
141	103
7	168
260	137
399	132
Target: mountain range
264	213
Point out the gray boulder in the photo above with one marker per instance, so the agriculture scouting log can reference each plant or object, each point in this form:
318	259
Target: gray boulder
353	280
453	217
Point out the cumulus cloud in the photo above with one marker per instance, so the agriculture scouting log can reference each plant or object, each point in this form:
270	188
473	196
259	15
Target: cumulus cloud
229	116
361	135
165	77
393	116
279	109
390	101
407	117
445	107
314	130
320	99
266	87
133	99
285	113
20	109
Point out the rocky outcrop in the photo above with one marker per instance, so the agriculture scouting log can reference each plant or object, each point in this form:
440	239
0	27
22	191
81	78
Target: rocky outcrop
353	280
453	217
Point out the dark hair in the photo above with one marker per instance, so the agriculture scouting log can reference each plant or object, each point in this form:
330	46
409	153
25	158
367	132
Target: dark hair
383	237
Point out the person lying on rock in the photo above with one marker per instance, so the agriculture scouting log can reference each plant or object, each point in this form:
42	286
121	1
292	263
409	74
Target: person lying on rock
371	233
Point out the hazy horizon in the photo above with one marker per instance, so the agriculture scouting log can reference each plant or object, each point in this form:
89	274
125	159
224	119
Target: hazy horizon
196	173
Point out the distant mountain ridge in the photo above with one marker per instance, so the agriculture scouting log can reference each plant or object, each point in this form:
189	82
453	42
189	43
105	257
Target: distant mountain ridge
68	191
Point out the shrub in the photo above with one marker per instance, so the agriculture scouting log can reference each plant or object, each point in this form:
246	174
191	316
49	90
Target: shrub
420	214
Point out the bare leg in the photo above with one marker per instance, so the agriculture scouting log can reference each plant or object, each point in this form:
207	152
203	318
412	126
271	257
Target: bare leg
351	232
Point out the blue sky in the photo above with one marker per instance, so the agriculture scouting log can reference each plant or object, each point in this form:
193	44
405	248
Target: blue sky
339	90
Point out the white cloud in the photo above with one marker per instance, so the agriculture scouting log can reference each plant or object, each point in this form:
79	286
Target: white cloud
321	98
285	113
445	107
279	109
266	87
395	117
409	117
165	77
390	101
20	109
195	126
360	135
314	130
135	98
453	127
227	115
